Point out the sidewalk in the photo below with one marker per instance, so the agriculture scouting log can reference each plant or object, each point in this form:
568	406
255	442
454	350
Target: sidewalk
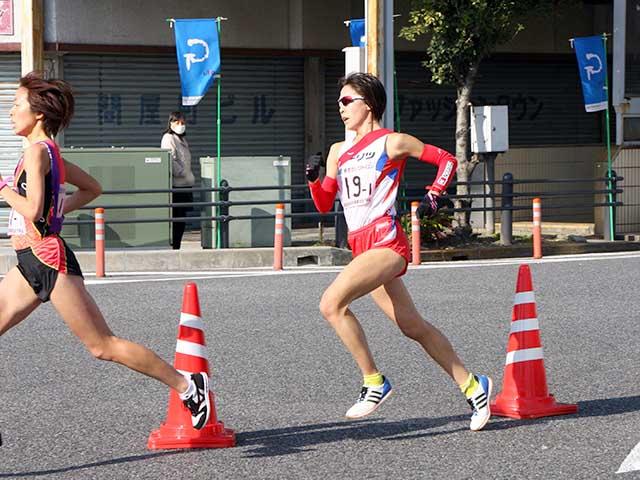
305	252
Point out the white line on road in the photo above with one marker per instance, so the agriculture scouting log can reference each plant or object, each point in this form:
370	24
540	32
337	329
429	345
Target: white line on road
632	462
267	271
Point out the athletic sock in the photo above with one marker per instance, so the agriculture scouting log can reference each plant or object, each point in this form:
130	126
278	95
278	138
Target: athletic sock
191	389
373	380
469	386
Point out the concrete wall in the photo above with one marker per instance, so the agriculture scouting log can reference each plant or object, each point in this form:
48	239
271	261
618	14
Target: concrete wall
277	24
554	163
626	163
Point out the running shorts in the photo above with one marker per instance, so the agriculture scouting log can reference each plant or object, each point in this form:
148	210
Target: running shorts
386	232
40	276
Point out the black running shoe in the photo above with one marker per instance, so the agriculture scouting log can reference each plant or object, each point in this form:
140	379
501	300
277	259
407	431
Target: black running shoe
198	403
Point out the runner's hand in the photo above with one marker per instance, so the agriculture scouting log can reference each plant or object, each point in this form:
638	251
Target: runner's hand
312	170
430	205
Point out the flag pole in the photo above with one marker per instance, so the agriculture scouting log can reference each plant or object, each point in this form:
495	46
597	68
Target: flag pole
608	136
218	143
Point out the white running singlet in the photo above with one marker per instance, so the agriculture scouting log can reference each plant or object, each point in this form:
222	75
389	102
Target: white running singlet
368	179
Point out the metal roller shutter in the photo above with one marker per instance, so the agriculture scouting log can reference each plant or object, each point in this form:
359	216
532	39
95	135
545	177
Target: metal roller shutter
126	100
544	99
10	144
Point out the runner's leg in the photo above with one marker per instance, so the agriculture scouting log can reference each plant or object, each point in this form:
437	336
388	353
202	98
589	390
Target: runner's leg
17	300
365	273
394	300
81	314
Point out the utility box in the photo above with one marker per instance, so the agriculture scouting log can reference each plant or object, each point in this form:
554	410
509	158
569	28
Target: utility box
490	129
123	168
245	172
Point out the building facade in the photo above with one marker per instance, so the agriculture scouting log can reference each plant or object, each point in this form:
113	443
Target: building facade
281	60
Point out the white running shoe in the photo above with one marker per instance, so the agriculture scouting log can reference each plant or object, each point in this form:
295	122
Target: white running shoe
369	400
479	402
198	400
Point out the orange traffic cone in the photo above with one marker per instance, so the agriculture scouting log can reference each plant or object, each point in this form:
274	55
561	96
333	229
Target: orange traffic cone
176	431
524	387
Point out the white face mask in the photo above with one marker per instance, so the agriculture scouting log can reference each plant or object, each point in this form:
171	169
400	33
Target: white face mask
178	128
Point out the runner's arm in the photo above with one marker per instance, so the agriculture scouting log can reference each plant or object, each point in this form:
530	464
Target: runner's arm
88	187
36	165
401	145
324	193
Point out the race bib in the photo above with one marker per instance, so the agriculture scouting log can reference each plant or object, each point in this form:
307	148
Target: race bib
358	179
58	209
17	225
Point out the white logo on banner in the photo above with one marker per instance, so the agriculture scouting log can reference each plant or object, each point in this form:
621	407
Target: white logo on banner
191	57
590	68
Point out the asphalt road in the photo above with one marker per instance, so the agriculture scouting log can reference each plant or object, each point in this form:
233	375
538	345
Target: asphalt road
283	381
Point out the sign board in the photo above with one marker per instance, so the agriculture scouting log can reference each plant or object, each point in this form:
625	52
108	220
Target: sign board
6	17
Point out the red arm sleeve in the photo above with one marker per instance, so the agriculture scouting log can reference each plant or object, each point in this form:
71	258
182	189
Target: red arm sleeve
324	194
446	163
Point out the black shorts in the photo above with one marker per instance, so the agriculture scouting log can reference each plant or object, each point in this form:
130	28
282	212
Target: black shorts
41	277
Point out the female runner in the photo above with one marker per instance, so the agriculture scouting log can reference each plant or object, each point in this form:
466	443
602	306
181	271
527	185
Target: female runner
47	269
365	173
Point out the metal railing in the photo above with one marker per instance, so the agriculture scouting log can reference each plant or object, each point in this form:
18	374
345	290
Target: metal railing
507	195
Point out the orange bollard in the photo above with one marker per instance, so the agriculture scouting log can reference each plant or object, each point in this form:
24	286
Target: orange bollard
415	234
99	220
537	228
277	238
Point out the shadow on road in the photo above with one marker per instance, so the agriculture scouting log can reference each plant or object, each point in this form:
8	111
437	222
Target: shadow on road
603	407
285	441
75	468
288	440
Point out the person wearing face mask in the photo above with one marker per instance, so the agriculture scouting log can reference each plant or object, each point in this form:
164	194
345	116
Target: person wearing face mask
174	139
365	173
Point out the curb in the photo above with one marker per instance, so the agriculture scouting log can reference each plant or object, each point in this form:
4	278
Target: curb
518	251
132	260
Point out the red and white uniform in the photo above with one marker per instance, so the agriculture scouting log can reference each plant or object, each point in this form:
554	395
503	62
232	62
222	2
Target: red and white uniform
368	180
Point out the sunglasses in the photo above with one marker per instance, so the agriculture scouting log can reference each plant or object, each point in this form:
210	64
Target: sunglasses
347	100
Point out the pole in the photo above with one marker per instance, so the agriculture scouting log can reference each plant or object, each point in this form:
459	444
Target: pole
372	23
506	221
218	143
612	216
537	228
277	237
99	225
489	191
415	234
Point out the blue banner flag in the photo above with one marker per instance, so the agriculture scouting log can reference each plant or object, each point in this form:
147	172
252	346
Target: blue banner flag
356	30
198	52
592	63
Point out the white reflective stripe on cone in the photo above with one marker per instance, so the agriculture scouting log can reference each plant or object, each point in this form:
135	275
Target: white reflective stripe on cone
192	321
99	237
524	297
524	355
190	348
524	325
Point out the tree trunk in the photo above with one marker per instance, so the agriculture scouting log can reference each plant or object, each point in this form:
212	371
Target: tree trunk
465	164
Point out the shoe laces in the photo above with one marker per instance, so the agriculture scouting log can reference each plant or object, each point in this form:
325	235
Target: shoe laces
363	394
192	403
478	401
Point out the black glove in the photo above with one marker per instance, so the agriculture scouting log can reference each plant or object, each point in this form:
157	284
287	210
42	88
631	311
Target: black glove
312	170
430	205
